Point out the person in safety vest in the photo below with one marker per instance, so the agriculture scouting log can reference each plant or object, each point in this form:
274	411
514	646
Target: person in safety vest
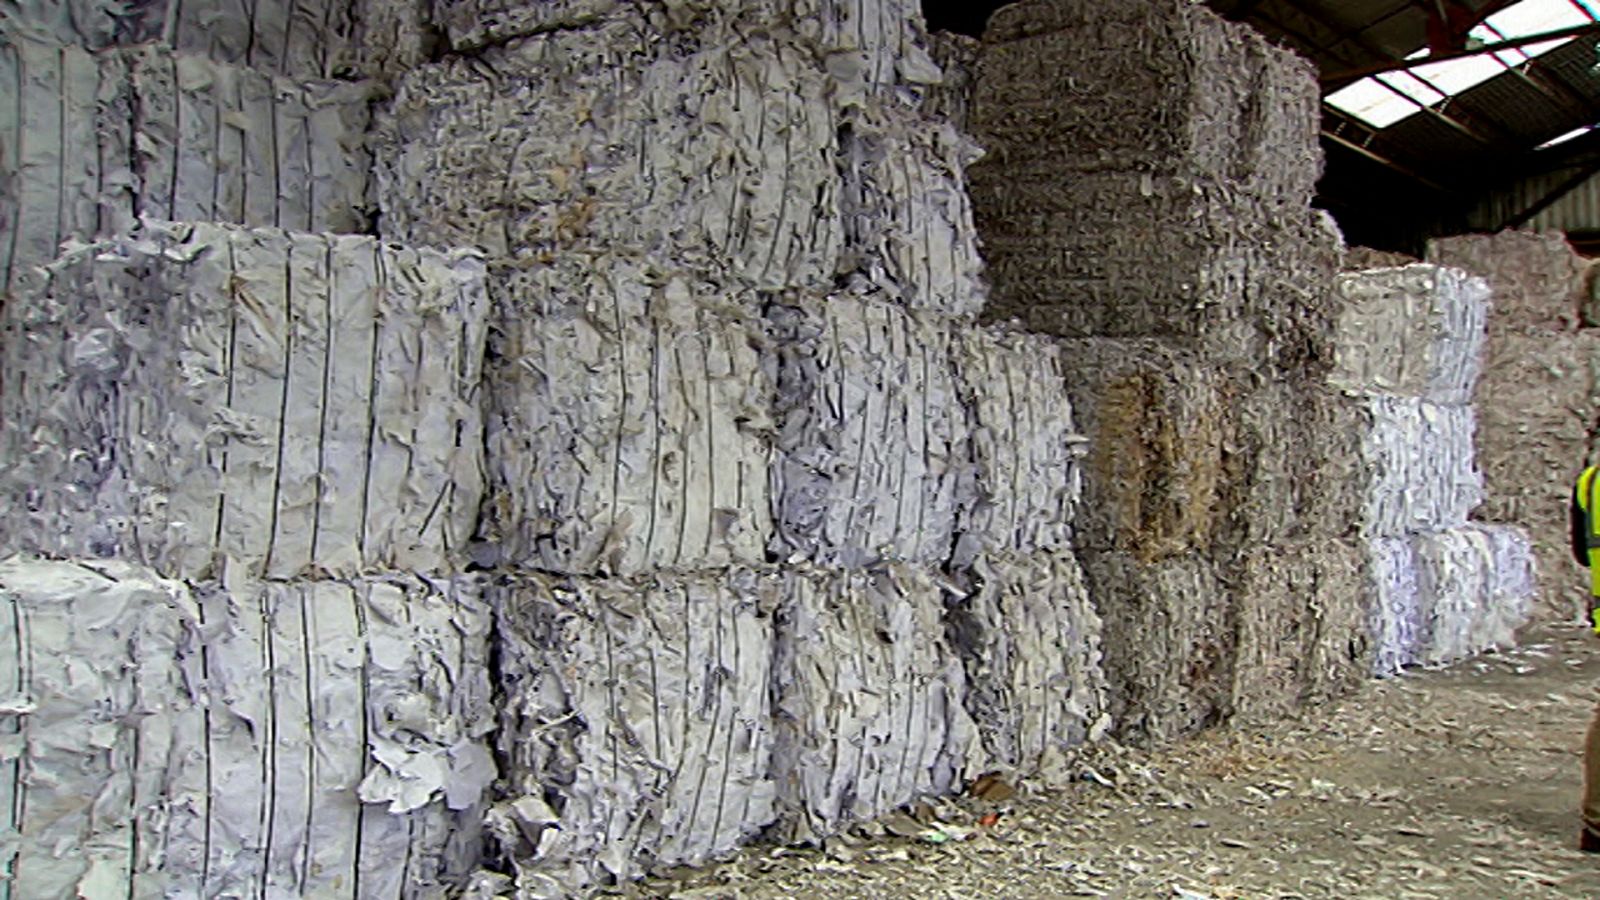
1585	516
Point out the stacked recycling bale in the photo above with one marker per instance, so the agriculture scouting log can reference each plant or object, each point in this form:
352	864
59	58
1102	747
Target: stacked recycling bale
1146	195
244	463
1538	394
287	425
1409	352
741	421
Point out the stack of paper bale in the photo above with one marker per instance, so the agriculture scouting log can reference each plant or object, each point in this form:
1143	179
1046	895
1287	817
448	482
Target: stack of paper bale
741	422
244	464
1146	194
1409	352
286	425
1538	396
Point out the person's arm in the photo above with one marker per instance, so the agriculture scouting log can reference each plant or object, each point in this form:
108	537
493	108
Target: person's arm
1580	538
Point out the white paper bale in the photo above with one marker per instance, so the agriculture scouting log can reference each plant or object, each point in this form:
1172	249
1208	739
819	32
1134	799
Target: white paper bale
1475	588
96	716
343	750
65	138
1447	595
1417	331
870	699
637	724
293	403
608	137
305	739
874	461
1024	441
225	143
1031	640
630	427
906	214
1395	620
877	43
1420	465
299	38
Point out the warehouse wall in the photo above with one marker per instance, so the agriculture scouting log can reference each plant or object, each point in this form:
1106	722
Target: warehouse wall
538	443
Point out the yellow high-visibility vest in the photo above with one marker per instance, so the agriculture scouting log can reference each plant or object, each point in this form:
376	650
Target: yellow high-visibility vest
1589	502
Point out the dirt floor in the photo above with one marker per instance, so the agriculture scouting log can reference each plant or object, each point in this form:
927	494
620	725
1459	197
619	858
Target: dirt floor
1460	783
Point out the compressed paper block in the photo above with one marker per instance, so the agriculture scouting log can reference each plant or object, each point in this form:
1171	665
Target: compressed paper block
64	150
906	214
637	724
342	752
1421	475
223	143
97	714
1293	464
1395	619
874	460
290	402
1361	259
1536	407
243	741
476	23
300	38
1535	278
1133	254
1302	625
1025	444
877	44
1169	643
610	138
1155	418
1536	418
956	55
1476	588
1447	595
630	423
869	699
1416	331
1031	640
1159	86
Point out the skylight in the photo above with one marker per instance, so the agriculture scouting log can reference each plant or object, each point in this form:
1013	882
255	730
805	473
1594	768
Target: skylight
1562	139
1382	100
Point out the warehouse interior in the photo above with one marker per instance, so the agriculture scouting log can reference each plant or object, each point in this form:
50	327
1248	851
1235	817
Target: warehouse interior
749	448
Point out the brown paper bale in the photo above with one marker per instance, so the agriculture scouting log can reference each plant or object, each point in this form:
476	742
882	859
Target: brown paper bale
1156	420
1169	643
1302	625
1535	278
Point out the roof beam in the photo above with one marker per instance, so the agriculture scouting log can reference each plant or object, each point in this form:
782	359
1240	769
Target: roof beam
1492	135
1340	78
1384	161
